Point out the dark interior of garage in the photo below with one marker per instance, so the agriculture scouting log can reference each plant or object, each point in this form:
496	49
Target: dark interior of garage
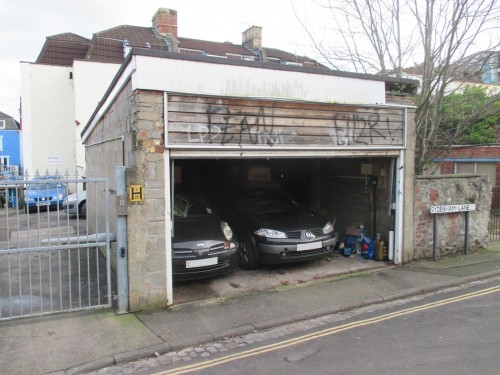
347	191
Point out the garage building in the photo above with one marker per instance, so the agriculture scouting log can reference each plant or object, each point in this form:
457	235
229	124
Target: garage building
340	143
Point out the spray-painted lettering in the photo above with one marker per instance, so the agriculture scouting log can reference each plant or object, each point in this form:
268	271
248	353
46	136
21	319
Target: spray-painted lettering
236	127
355	130
226	126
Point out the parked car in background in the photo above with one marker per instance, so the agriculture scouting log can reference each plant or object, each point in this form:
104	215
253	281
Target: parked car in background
273	228
45	193
76	204
203	244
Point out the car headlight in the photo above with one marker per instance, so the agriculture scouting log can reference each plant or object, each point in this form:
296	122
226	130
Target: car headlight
60	196
70	199
328	228
226	229
28	199
270	233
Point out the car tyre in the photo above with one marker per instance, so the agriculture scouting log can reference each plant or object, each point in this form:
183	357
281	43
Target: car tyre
248	254
83	209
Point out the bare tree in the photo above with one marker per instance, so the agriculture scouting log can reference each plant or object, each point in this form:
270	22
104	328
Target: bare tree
385	36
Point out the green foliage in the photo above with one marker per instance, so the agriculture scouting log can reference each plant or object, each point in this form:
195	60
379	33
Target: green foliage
469	117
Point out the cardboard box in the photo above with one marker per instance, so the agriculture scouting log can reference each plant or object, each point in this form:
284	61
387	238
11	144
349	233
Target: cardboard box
352	231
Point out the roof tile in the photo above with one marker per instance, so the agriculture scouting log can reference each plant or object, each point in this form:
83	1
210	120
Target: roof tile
110	46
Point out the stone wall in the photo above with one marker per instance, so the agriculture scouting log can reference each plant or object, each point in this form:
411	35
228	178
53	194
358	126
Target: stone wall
138	118
105	150
447	190
146	221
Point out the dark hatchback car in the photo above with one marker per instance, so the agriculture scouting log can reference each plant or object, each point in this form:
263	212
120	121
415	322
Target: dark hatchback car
203	244
273	228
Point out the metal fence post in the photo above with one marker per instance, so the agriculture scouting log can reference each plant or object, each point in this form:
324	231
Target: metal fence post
121	240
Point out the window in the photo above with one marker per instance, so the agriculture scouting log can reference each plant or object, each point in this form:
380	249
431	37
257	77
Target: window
2	124
488	169
465	168
4	163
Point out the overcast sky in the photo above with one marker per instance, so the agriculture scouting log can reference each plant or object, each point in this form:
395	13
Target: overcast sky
26	24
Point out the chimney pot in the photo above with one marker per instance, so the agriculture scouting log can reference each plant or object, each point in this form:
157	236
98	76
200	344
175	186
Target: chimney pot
253	37
165	21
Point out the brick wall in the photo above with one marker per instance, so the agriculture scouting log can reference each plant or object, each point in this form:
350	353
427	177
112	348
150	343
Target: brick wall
472	152
446	190
447	167
475	152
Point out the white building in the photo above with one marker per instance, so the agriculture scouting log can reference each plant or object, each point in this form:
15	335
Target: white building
61	89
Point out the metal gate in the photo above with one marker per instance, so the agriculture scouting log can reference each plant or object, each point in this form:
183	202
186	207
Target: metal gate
494	225
54	245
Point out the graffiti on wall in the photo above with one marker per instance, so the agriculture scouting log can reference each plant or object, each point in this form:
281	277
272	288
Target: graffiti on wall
348	130
223	125
257	130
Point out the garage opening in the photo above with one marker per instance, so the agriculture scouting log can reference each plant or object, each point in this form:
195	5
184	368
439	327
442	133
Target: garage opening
348	192
341	161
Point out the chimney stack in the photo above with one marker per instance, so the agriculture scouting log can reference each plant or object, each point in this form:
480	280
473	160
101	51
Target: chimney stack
165	21
253	37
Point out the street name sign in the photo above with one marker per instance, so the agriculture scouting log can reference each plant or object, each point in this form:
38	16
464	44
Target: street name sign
451	208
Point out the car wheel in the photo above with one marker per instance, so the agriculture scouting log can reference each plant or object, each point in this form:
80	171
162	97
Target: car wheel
248	254
83	209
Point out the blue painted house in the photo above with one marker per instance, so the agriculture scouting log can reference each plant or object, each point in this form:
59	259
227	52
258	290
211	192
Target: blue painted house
10	146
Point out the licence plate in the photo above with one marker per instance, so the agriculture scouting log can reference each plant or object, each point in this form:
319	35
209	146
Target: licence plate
202	262
309	246
43	204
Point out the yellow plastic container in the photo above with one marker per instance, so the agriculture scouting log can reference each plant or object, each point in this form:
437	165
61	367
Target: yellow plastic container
379	250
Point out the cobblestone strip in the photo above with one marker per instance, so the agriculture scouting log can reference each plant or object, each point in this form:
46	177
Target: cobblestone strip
231	343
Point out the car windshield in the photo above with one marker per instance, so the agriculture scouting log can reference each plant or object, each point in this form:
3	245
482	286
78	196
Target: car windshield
44	186
190	207
266	201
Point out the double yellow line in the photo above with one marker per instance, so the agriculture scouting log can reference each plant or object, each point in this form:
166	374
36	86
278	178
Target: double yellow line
325	332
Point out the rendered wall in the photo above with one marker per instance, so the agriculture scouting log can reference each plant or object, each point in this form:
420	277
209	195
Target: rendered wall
252	81
11	146
91	80
47	118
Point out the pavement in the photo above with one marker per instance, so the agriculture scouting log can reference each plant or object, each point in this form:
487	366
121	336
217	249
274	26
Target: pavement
84	342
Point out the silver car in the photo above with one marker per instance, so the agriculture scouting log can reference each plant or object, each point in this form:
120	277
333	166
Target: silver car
76	204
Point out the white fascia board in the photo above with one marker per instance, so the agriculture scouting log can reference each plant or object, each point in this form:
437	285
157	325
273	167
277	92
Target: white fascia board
208	78
193	77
